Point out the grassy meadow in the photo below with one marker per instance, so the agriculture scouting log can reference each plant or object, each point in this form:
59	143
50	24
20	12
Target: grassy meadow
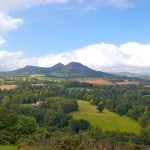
8	147
107	121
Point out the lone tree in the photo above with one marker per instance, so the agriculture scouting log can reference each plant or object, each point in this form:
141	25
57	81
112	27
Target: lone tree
100	106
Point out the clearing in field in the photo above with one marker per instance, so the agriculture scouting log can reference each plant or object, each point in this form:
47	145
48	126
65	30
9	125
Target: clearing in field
107	121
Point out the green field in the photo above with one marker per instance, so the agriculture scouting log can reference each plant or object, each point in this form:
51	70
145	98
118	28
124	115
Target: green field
8	148
26	105
107	121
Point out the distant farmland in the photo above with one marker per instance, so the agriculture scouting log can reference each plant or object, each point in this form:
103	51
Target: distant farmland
7	87
107	121
101	82
126	82
96	81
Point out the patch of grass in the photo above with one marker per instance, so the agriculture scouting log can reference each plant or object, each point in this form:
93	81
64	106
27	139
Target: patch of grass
8	147
107	121
26	105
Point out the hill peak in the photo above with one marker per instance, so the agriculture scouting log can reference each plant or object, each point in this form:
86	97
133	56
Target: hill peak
58	65
29	66
74	64
73	69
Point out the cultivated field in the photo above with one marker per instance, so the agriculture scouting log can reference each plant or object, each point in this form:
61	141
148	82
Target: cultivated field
96	81
7	87
126	82
101	82
106	120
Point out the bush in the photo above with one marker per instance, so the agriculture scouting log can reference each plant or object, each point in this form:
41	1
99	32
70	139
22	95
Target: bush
79	125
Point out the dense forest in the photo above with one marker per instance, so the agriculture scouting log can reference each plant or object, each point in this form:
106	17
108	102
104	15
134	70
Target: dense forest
39	116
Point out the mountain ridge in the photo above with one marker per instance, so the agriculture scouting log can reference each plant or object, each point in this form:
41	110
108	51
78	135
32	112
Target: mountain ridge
71	70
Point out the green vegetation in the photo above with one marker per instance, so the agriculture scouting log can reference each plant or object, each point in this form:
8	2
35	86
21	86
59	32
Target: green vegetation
8	147
79	125
107	121
26	105
58	121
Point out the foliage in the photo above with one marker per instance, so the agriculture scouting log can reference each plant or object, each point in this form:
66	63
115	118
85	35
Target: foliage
79	125
8	147
100	106
91	139
52	122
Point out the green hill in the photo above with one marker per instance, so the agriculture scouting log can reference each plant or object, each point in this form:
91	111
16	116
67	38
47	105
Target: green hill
71	70
107	121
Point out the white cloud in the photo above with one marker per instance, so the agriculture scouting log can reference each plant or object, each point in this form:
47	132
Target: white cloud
136	54
8	23
8	60
95	4
7	5
118	3
103	56
2	41
8	55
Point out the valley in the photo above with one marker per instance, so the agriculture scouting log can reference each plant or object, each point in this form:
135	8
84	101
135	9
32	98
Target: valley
72	107
74	75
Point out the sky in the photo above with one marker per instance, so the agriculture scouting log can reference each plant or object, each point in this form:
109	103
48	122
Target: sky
106	35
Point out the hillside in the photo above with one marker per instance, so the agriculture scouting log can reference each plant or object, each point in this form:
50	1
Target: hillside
72	69
107	121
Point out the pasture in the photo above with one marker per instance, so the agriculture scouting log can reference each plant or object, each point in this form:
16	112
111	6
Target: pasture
107	121
8	148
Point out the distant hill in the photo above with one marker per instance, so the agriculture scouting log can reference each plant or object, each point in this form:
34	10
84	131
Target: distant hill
71	70
143	75
75	69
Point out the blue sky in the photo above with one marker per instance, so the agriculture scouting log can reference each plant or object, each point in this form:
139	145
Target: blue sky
46	29
57	28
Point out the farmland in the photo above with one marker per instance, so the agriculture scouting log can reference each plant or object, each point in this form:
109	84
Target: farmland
8	87
96	81
101	82
106	120
8	82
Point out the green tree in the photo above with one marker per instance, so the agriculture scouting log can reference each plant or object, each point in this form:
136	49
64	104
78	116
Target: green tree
79	125
8	118
5	101
100	106
25	125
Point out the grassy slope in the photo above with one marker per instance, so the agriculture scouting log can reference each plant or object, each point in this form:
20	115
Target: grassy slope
8	148
107	120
